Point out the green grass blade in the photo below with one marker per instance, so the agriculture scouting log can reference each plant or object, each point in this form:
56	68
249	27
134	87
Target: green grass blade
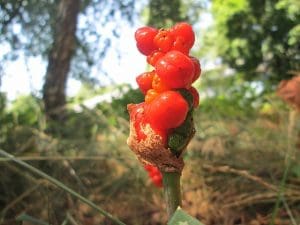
62	186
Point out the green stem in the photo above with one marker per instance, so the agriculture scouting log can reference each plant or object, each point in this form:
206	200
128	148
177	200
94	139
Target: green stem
62	186
171	181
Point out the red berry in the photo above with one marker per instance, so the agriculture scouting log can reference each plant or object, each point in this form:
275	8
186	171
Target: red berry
168	110
150	95
195	94
175	69
185	31
144	81
180	45
144	39
148	167
197	68
158	85
154	174
164	40
157	180
154	57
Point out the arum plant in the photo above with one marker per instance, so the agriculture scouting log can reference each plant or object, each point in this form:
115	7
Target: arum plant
162	126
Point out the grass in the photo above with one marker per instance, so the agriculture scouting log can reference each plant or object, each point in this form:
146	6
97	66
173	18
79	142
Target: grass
240	169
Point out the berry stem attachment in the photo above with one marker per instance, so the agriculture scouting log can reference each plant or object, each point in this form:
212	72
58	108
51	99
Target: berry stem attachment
172	192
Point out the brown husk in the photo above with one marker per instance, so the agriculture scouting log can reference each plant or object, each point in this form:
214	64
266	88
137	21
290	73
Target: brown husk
152	150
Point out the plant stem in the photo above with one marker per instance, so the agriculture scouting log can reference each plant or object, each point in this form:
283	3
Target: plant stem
171	181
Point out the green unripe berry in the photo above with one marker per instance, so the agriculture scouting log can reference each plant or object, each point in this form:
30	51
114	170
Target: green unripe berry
176	143
187	96
187	127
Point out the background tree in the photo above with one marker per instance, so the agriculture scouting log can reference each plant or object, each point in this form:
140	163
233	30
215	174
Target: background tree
259	39
36	28
59	58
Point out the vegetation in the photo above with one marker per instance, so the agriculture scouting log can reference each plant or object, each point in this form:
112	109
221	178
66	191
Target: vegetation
242	166
259	38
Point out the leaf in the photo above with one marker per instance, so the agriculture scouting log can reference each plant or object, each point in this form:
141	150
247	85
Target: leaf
182	218
30	219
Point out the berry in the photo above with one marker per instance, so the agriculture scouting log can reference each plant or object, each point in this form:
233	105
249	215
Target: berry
187	96
154	57
186	129
144	81
168	110
158	85
164	40
176	143
197	68
185	31
150	95
196	97
144	39
175	69
154	174
180	45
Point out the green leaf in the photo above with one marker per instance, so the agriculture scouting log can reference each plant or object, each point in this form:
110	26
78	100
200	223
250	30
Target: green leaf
182	218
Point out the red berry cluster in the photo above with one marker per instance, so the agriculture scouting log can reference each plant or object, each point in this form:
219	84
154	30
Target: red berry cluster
174	71
169	98
155	175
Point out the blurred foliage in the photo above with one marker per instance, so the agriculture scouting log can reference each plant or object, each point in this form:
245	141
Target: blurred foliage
162	15
259	39
23	121
119	105
28	28
239	125
238	128
19	121
159	13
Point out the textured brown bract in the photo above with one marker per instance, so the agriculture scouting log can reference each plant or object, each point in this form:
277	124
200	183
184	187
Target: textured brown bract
289	91
151	150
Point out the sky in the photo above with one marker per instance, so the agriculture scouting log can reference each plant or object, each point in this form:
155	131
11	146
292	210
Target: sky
27	76
23	77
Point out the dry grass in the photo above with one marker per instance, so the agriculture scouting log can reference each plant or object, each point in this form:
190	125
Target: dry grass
233	174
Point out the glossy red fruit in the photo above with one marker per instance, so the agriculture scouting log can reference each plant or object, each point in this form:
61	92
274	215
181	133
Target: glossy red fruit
154	57
181	45
196	97
150	95
197	68
185	31
144	39
168	110
158	85
144	81
164	40
175	69
154	174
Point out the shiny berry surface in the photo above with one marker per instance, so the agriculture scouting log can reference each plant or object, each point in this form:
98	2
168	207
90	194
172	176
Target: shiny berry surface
144	81
167	110
185	31
144	39
175	69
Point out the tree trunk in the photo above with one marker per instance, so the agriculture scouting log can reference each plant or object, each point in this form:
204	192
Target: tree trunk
59	59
